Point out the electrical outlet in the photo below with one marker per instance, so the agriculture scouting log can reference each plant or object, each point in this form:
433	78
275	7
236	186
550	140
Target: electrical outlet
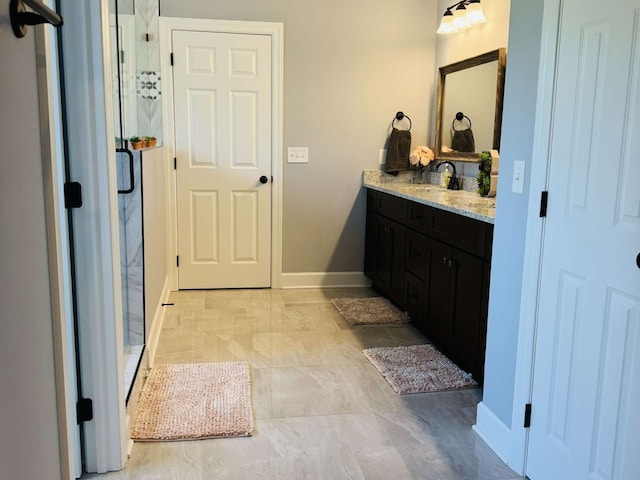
518	177
298	155
383	156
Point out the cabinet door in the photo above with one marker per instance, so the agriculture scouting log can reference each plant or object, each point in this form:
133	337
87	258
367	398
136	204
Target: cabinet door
466	284
371	247
439	294
415	300
389	276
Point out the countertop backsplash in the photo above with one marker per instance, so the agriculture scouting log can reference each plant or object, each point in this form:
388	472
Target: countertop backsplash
468	184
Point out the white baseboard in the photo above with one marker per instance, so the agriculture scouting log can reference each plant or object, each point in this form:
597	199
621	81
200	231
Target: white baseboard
156	326
494	432
324	280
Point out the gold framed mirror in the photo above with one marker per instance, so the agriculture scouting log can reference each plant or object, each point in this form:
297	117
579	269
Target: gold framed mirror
469	106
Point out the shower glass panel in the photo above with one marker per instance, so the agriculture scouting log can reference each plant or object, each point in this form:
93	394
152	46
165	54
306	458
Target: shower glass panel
131	260
135	61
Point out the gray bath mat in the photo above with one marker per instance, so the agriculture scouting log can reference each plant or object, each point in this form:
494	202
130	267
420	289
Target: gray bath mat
418	369
368	311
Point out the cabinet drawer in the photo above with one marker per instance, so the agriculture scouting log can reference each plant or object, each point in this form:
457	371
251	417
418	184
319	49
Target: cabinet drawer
417	215
391	207
416	253
459	231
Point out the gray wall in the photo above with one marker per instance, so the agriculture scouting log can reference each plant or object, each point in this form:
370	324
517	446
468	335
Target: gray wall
518	123
348	68
29	446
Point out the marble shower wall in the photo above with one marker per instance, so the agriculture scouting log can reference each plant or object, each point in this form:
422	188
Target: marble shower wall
148	81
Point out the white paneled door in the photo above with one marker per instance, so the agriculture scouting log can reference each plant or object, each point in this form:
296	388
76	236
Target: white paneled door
586	389
222	94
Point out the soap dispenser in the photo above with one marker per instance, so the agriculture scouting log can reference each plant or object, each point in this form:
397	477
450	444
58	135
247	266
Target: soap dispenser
446	178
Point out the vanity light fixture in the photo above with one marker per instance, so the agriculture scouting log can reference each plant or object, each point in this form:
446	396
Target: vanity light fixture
461	16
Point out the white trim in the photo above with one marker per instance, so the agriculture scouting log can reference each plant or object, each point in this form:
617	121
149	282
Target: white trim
523	387
86	54
494	433
158	321
58	253
324	280
276	31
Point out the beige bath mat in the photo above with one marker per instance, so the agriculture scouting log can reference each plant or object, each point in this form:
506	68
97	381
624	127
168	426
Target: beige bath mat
194	401
368	311
418	369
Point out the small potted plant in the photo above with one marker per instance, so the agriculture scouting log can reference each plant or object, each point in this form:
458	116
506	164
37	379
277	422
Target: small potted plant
150	141
484	174
136	143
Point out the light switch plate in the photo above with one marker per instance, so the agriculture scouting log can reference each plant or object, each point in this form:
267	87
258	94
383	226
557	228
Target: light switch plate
518	177
298	155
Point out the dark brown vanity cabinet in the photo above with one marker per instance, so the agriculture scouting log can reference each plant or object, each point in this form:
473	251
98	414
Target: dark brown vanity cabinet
435	265
385	244
453	313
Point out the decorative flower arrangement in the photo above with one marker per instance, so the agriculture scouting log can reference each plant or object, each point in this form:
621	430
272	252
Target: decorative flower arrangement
484	173
420	157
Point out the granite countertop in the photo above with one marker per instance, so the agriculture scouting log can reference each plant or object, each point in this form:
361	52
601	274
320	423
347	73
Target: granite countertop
461	202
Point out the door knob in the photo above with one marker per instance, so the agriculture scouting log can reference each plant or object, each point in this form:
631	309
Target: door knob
264	179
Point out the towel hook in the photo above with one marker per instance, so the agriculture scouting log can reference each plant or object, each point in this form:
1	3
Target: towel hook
41	14
459	117
400	116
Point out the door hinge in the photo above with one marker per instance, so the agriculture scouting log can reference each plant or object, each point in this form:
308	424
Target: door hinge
177	260
72	195
544	198
146	37
171	58
175	163
84	410
527	415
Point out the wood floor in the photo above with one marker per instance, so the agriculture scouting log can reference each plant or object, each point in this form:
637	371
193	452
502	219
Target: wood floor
322	411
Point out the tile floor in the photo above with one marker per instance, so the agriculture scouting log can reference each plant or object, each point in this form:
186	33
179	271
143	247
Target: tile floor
322	411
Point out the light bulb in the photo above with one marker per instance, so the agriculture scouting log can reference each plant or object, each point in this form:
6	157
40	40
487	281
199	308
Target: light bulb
446	25
475	13
460	21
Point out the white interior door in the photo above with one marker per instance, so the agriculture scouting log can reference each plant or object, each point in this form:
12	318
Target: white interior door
586	389
222	95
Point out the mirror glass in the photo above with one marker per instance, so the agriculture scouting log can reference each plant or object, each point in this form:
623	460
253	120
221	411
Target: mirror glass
469	108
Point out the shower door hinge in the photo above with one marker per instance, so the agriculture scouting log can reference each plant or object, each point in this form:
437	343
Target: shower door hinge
544	198
171	58
177	260
146	37
84	410
72	195
175	163
527	415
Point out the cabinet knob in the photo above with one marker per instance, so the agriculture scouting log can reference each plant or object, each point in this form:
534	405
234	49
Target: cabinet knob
444	260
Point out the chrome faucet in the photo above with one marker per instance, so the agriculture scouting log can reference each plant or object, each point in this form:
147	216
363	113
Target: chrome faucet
454	183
